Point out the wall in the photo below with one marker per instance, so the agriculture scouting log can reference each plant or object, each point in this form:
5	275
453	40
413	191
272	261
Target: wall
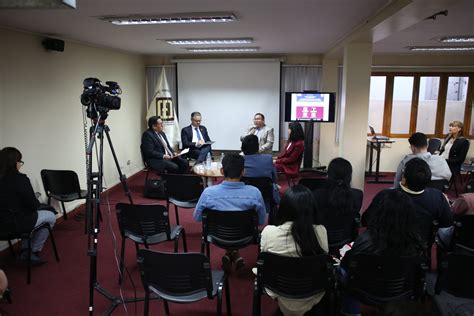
41	113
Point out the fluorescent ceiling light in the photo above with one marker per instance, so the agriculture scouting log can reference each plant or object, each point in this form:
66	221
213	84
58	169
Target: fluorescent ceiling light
457	39
43	4
209	41
216	17
223	49
441	48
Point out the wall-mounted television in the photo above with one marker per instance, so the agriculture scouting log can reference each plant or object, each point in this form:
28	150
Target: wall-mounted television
310	106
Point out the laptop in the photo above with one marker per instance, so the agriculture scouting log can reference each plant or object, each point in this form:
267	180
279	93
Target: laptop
375	136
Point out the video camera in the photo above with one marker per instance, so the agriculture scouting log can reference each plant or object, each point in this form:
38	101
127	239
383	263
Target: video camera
102	97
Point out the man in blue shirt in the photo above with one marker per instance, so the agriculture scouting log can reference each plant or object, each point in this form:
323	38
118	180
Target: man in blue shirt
231	195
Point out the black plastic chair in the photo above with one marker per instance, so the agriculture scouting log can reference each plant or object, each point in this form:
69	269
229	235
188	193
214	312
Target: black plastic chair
183	191
341	230
229	230
456	275
377	280
147	225
291	277
181	278
313	183
265	186
10	229
464	231
434	145
63	186
442	185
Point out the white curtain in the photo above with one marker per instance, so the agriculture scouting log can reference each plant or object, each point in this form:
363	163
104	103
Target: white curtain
296	78
153	73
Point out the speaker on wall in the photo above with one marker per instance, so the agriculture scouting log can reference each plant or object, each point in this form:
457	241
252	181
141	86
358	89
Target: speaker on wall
53	44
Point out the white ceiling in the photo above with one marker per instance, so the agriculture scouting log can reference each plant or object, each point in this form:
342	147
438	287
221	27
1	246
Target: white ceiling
278	26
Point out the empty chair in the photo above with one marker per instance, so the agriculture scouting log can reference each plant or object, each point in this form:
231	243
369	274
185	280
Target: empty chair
434	145
183	191
230	230
296	278
11	229
376	280
181	278
63	186
147	225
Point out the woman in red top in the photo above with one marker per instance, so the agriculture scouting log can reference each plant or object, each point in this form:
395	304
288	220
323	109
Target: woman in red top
289	161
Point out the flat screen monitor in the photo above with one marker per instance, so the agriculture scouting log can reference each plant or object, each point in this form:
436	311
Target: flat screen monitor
310	106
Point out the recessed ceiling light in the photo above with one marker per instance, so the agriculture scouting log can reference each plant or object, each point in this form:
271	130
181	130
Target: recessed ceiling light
223	49
457	39
209	41
180	18
441	48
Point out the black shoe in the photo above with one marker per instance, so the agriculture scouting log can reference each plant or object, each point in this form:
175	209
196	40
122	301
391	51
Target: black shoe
226	263
35	258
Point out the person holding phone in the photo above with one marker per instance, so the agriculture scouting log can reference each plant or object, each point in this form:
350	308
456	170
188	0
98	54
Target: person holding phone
263	132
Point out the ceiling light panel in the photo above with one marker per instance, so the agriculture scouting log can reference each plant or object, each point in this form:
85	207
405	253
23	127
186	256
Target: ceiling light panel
457	39
222	49
217	17
441	48
209	41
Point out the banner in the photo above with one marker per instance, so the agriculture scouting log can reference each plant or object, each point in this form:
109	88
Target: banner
162	105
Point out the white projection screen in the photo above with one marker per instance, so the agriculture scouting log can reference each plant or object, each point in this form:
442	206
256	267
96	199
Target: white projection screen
228	93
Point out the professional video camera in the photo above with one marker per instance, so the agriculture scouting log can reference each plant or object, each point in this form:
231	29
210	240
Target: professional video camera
102	97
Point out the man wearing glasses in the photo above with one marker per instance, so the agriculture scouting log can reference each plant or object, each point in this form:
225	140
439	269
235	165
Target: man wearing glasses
263	132
195	138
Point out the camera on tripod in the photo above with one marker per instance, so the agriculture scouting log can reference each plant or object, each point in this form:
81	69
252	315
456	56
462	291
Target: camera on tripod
102	97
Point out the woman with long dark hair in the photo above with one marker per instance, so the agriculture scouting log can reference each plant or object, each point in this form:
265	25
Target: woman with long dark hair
337	199
289	161
295	236
16	193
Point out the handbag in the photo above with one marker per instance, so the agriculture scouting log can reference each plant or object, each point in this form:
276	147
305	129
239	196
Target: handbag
155	189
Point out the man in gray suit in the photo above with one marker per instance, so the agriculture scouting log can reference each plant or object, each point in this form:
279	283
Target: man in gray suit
263	132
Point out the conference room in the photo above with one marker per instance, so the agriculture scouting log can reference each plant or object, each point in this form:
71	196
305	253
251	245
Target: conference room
398	66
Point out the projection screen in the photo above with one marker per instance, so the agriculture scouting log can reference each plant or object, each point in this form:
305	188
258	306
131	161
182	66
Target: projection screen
228	93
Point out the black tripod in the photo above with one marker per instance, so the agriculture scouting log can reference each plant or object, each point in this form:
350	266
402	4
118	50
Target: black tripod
93	214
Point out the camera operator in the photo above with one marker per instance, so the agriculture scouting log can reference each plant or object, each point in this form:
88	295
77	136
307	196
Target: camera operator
156	150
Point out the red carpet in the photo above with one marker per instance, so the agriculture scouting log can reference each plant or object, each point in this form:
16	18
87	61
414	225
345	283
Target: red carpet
62	288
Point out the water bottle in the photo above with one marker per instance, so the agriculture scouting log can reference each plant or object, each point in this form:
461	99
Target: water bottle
208	161
220	160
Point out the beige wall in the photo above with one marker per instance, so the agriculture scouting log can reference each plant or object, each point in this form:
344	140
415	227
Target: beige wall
41	114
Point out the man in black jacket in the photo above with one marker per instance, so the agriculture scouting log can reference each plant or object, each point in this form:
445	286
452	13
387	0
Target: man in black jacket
156	150
195	138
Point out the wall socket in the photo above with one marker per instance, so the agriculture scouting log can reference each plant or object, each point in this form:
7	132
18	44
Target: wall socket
128	162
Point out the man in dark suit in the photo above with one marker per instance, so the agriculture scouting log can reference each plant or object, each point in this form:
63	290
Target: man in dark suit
195	137
156	150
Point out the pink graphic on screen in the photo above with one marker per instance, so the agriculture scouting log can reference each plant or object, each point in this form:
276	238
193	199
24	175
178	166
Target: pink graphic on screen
309	112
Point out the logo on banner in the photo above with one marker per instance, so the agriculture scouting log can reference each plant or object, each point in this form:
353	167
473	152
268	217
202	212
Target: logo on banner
164	108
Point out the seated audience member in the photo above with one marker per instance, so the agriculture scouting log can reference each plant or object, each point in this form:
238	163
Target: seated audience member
195	137
430	204
455	147
289	161
156	150
419	148
231	195
337	199
391	231
295	236
16	193
257	165
3	282
263	132
464	205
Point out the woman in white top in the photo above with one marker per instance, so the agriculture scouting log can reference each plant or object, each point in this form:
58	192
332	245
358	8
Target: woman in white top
295	236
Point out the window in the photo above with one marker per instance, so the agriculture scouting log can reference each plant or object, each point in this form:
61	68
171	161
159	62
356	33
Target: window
404	103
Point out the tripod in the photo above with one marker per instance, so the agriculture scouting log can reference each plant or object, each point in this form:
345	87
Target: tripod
93	214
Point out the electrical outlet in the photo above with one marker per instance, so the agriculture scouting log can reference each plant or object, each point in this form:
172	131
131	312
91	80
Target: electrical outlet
128	162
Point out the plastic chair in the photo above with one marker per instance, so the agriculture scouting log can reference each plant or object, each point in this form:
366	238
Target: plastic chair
464	231
456	275
265	186
376	280
229	230
291	277
10	229
183	191
147	225
63	186
181	278
341	230
313	183
434	145
442	185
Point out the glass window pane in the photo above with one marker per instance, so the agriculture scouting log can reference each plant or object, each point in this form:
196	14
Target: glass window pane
401	105
376	102
427	105
455	101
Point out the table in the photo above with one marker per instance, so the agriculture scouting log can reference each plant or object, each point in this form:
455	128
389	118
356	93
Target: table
376	143
214	171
